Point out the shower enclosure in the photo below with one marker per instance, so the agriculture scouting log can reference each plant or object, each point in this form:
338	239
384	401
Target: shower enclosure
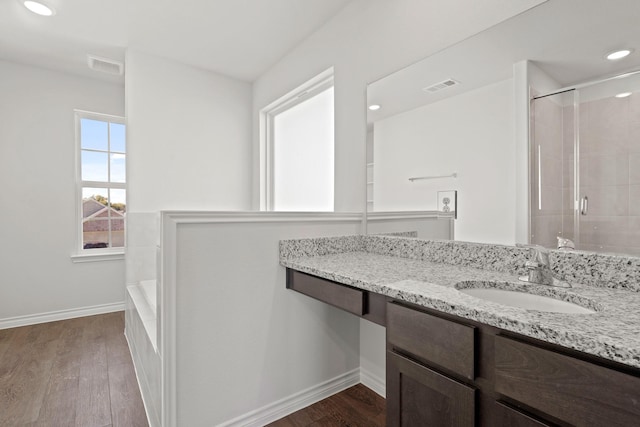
585	166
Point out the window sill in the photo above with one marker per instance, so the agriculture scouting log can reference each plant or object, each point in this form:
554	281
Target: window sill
103	256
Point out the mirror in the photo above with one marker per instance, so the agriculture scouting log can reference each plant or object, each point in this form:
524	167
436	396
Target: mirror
585	158
459	121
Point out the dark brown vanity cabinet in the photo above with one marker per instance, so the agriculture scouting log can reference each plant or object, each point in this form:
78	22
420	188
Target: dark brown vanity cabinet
443	370
429	338
448	371
509	417
424	368
341	296
569	389
368	305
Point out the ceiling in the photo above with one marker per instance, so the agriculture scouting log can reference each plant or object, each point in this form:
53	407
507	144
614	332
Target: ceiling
568	39
238	38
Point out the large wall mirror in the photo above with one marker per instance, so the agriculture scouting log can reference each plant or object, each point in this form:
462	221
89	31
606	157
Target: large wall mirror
528	124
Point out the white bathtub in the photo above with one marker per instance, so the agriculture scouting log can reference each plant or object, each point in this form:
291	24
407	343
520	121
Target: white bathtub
143	297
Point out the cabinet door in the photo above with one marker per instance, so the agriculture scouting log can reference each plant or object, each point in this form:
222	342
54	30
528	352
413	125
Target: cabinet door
418	396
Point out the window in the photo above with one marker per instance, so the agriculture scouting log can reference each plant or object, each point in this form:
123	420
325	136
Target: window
298	161
102	190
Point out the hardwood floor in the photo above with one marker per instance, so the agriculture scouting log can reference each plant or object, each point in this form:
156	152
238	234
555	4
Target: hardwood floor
79	373
74	372
357	406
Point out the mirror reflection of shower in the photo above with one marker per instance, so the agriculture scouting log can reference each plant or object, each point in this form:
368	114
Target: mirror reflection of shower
585	166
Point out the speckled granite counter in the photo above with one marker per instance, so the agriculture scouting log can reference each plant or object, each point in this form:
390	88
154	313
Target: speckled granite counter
428	273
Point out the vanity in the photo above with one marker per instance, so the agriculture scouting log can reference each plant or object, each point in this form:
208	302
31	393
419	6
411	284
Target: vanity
453	359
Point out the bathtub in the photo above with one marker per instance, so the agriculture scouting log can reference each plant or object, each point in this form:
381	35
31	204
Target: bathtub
143	297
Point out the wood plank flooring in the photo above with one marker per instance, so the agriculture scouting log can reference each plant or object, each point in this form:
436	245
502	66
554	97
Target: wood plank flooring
356	406
74	372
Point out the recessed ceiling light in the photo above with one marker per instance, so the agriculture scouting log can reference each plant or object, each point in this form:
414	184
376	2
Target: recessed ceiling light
623	95
618	54
374	107
39	8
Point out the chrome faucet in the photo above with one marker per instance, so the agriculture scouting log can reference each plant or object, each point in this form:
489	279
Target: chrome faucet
539	268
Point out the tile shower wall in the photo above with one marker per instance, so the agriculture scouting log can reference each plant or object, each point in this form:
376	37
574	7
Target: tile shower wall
143	239
610	174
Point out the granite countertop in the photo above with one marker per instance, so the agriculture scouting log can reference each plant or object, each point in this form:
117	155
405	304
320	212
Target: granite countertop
612	332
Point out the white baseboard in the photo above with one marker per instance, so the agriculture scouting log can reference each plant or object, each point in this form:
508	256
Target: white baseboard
52	316
283	407
374	382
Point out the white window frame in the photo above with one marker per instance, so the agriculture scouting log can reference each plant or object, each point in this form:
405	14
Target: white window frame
311	88
95	254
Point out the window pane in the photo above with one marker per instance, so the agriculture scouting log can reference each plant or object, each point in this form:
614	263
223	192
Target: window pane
95	218
94	134
95	233
94	202
118	200
117	137
118	210
303	156
117	232
103	222
102	160
118	169
95	166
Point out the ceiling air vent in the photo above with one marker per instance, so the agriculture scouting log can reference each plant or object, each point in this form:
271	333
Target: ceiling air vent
440	86
105	65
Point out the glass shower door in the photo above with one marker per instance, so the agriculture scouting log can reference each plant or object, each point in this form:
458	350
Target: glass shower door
553	169
585	166
609	159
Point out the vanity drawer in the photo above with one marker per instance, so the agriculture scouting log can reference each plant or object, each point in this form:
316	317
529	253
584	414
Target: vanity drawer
442	342
341	296
507	416
569	389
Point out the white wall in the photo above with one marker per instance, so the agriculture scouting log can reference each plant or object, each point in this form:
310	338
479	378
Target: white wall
244	342
189	137
245	350
37	171
539	81
471	134
373	356
188	148
426	225
366	41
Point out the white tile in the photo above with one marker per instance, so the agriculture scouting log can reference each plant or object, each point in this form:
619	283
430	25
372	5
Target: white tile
143	229
140	264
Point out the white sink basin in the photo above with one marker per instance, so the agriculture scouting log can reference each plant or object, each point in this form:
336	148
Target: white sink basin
526	300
